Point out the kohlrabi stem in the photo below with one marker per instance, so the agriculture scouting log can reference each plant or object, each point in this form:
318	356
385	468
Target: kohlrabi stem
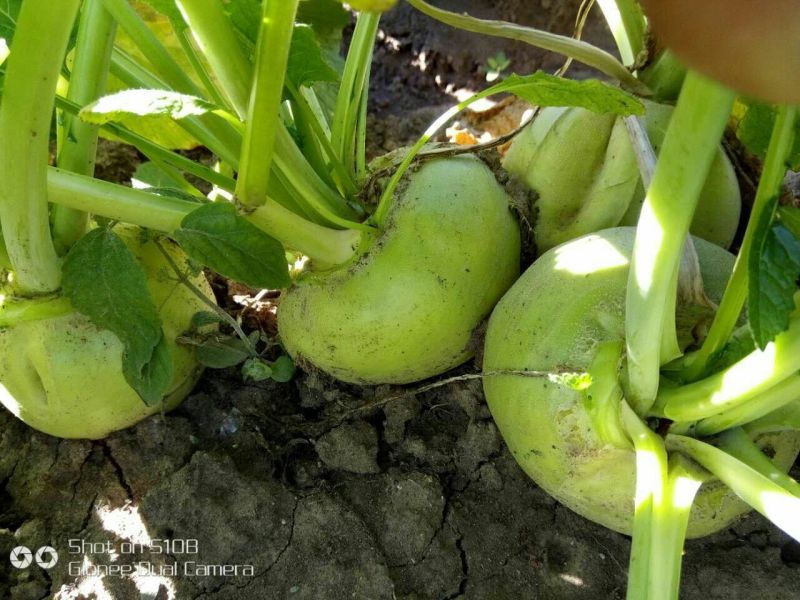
739	445
14	311
776	397
690	145
217	39
651	477
164	214
766	200
200	68
266	93
26	112
351	91
628	26
155	52
340	174
92	56
670	521
767	497
783	419
582	52
665	76
755	374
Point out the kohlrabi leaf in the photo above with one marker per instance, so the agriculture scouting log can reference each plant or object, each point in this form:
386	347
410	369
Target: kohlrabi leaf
204	318
150	175
9	11
221	353
135	104
306	62
372	5
283	369
152	380
541	89
151	113
773	270
256	369
790	217
324	16
104	281
216	236
169	9
755	122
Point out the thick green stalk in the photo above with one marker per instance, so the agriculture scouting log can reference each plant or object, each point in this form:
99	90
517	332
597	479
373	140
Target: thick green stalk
200	68
690	145
87	83
753	375
739	445
263	116
773	399
352	90
665	76
767	497
155	52
766	200
217	40
582	52
670	521
651	475
164	214
783	419
32	71
628	26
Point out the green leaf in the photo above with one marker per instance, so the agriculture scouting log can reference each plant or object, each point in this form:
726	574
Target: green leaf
104	281
325	16
372	5
256	369
215	236
541	89
135	104
150	175
773	270
9	11
754	129
153	379
169	9
283	369
204	318
306	62
221	353
790	217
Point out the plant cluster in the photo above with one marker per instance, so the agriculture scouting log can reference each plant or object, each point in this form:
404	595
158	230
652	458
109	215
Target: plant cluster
622	368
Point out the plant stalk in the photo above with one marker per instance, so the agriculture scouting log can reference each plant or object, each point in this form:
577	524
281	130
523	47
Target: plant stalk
739	445
759	491
79	139
628	26
263	115
689	147
216	37
352	91
164	214
32	71
582	52
737	385
766	200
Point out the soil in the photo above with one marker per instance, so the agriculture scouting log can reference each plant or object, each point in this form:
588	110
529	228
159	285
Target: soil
319	490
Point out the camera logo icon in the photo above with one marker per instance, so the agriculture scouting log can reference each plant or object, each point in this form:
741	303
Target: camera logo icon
46	557
21	557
